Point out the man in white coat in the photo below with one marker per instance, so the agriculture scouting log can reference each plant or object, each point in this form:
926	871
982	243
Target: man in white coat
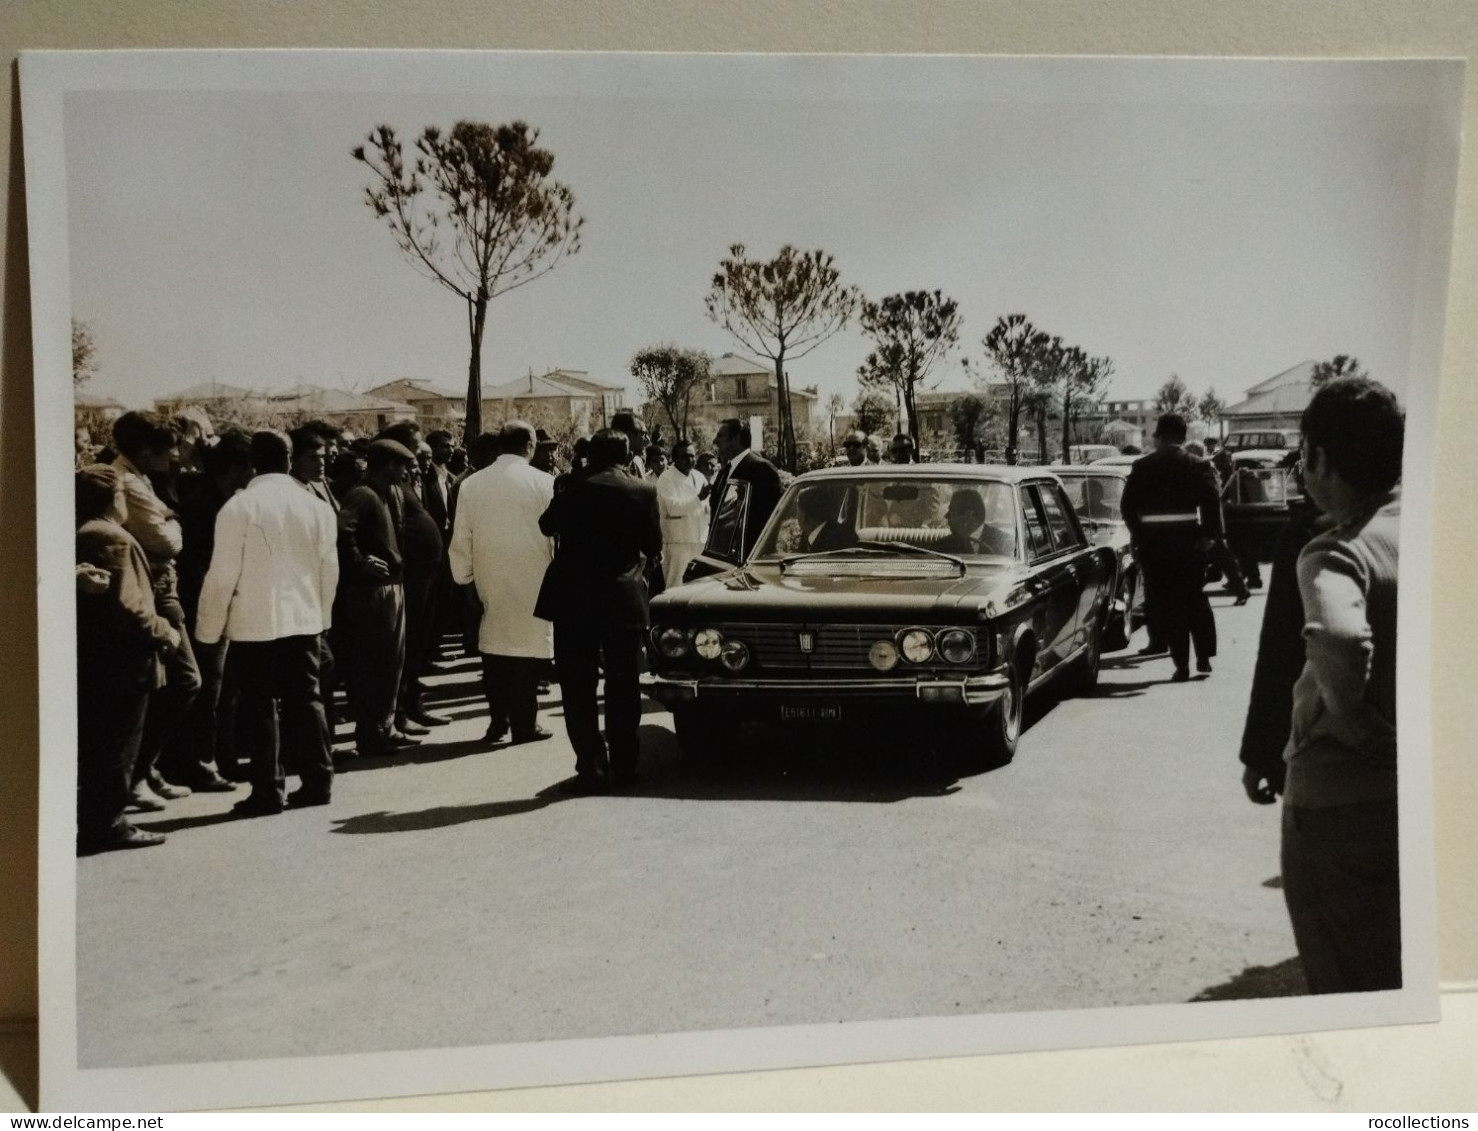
682	500
497	547
270	591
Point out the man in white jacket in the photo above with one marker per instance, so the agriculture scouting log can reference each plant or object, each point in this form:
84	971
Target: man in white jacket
270	591
497	546
682	499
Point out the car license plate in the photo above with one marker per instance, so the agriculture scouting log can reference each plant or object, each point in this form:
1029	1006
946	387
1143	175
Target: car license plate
811	713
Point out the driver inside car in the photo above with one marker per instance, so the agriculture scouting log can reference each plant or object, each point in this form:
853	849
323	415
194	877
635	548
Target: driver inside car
969	533
821	529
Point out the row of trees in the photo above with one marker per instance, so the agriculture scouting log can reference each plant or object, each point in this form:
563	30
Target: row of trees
477	211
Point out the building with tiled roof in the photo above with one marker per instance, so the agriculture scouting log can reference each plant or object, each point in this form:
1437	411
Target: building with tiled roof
1277	402
565	402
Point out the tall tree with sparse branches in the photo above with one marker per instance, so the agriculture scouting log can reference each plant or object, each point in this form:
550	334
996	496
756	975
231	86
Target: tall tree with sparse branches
911	331
667	376
476	212
1012	347
871	410
1341	365
781	308
1085	380
1210	407
1173	396
1047	364
84	354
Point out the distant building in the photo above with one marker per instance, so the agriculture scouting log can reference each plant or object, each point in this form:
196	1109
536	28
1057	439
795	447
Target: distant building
94	413
740	388
360	413
436	406
1278	402
563	401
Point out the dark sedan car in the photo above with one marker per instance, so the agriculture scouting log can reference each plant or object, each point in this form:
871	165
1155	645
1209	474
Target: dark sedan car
1094	491
933	596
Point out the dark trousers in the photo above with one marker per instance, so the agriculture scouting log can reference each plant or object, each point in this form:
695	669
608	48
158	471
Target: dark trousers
191	754
1174	580
420	626
1342	884
1223	559
169	705
282	707
112	697
369	627
581	650
511	684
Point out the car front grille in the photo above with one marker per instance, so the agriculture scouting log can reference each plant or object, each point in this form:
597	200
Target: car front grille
834	647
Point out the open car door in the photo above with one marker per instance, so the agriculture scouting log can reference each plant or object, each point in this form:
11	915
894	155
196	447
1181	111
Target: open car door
725	546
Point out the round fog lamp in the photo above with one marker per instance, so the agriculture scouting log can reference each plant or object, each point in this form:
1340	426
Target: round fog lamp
918	645
672	642
708	643
735	656
883	656
956	645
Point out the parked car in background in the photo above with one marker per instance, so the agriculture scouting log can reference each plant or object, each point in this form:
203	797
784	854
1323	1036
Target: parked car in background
1087	453
1095	492
935	597
1257	500
1265	439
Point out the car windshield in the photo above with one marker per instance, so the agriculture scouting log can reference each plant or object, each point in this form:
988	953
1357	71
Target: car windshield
1094	497
952	516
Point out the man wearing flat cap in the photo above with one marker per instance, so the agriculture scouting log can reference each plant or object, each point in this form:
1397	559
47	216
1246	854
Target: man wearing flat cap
1172	507
371	614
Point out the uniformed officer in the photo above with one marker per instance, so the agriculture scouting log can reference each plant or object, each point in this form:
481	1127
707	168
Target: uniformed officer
1173	510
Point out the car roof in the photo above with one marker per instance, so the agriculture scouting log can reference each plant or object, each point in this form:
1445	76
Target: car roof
1112	470
997	471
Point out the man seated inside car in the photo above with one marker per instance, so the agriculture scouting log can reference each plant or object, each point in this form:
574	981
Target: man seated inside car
969	533
1094	503
821	530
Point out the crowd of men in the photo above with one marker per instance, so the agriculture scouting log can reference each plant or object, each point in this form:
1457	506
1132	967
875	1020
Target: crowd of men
227	586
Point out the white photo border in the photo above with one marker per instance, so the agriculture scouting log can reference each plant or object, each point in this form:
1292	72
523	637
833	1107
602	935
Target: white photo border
46	79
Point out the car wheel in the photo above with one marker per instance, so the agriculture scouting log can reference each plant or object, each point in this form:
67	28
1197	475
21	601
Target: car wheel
996	745
1084	677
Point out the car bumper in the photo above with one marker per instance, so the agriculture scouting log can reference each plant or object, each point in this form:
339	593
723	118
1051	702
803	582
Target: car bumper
969	691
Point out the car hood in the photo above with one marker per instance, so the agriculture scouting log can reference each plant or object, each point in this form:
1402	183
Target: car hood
763	592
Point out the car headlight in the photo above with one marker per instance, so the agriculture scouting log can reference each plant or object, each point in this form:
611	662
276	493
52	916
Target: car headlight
734	656
917	646
672	643
883	655
956	645
708	643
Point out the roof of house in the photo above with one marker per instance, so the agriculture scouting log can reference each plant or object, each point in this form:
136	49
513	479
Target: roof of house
1300	374
1282	400
555	383
90	400
415	389
732	365
316	398
208	391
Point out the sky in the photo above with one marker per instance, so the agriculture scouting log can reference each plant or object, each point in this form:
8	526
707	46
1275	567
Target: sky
1212	220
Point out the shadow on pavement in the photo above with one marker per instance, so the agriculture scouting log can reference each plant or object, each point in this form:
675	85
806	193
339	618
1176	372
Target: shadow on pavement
816	770
175	824
1286	979
440	817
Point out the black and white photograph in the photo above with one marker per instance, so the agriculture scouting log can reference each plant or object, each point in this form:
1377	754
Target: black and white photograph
602	566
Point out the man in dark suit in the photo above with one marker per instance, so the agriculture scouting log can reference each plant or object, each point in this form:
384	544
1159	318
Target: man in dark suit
821	530
736	461
1173	510
609	529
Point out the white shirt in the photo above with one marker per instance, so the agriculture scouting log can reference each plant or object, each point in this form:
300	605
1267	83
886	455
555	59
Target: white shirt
275	566
684	514
497	546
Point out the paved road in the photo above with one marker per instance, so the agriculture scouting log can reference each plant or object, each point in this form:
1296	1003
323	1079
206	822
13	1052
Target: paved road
450	897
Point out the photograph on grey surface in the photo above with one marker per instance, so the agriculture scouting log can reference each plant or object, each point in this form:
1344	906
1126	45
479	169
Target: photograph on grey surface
600	566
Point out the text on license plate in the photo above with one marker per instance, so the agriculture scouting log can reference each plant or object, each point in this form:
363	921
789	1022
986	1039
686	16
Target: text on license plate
811	713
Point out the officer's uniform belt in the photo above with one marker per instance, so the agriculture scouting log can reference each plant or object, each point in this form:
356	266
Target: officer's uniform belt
1189	518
